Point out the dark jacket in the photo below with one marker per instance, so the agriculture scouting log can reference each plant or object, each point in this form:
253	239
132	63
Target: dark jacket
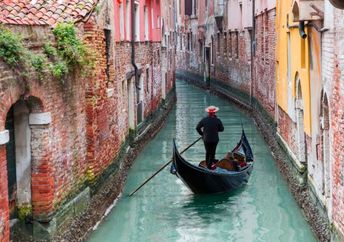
211	126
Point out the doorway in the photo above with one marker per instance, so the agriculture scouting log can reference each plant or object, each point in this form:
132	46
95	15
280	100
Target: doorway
301	143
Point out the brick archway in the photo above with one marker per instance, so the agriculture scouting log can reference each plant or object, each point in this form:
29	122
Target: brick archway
29	145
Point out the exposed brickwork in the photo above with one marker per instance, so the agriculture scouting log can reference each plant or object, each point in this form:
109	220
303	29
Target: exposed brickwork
337	122
232	59
4	211
89	116
287	129
264	61
233	65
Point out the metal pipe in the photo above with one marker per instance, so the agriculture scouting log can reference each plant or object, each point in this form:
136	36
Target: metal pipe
133	42
302	29
253	43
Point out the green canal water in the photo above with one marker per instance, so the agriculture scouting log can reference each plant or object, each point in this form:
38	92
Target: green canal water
165	210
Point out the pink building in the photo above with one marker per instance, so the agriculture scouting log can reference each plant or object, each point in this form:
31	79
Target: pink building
147	19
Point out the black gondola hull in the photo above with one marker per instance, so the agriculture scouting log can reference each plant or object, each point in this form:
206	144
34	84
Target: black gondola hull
203	180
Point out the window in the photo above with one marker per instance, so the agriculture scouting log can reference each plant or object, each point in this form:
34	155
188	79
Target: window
127	15
191	42
212	50
225	43
240	24
121	21
200	49
181	41
237	44
230	49
266	39
124	88
152	17
194	10
147	80
137	22
107	34
145	10
158	22
158	59
218	42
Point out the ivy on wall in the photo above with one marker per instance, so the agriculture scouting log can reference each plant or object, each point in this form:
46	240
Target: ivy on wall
68	54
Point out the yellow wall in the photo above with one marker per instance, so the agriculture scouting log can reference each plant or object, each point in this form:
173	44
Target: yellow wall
284	8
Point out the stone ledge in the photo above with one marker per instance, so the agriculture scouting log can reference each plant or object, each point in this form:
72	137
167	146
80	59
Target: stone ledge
4	137
297	164
46	231
40	118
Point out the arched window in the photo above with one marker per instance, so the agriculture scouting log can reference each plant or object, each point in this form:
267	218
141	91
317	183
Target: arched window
300	135
325	145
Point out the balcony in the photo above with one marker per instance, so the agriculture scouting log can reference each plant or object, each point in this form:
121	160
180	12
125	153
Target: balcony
307	10
219	9
219	6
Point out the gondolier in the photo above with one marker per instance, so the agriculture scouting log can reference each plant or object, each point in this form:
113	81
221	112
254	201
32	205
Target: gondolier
208	128
202	180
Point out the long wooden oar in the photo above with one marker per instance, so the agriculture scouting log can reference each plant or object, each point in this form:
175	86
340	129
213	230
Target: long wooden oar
162	168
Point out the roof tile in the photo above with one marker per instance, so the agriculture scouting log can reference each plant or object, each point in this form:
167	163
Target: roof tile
44	12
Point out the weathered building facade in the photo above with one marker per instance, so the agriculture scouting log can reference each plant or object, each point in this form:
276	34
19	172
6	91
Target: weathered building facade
331	114
264	47
61	133
219	40
293	80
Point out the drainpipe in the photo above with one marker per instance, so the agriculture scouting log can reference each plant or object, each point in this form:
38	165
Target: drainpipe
253	43
133	42
302	29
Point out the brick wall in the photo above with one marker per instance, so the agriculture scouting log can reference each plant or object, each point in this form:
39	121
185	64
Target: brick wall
264	61
89	115
287	129
337	120
102	141
4	213
58	156
232	62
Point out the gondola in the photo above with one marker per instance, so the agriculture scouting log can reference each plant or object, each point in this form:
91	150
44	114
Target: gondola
203	180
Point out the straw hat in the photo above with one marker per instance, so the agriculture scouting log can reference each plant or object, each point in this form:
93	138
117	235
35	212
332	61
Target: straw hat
212	109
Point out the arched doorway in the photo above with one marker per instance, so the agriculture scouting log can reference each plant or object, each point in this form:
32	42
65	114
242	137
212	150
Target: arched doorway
325	146
11	164
18	155
301	143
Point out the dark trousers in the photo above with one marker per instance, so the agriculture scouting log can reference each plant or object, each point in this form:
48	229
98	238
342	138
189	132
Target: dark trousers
210	151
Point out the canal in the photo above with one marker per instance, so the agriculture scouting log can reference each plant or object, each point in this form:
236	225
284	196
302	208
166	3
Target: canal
165	210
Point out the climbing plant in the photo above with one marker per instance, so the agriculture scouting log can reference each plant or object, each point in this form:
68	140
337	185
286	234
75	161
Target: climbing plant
12	50
70	51
38	62
68	54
